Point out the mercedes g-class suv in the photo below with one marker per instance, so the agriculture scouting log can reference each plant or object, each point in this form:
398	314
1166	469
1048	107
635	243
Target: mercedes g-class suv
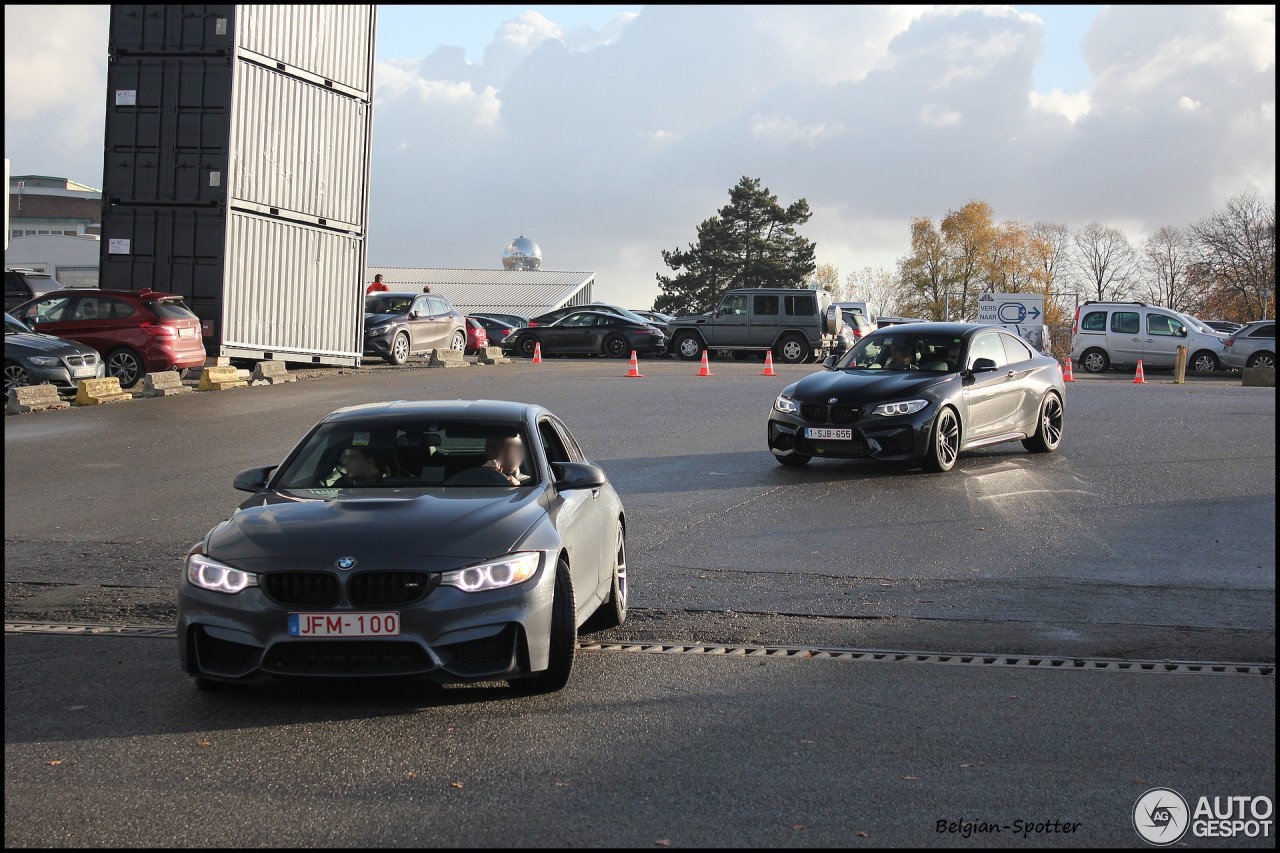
797	325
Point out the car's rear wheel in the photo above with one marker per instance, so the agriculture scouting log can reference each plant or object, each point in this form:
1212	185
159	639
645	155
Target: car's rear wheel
792	349
1094	361
564	640
127	366
399	352
944	442
1048	434
687	346
526	345
1204	362
616	346
793	460
613	612
459	341
1261	359
15	376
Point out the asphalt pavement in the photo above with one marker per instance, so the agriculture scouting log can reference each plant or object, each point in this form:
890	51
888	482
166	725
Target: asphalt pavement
1149	536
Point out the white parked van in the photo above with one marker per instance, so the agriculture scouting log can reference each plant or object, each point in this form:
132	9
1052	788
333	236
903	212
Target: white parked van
1110	334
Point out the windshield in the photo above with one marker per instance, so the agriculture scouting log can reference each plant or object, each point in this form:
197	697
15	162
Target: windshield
387	304
13	327
407	454
905	350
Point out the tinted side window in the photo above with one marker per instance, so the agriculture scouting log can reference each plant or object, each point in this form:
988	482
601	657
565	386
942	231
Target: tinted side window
1015	350
801	305
570	446
52	310
437	306
1094	321
1163	324
172	309
551	442
422	306
766	306
1264	332
1125	322
733	306
988	346
118	309
13	284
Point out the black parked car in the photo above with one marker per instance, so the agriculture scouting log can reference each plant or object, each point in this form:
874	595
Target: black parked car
922	391
387	545
588	332
560	313
398	325
498	326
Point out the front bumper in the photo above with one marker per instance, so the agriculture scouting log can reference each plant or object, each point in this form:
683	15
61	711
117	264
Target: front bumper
896	438
60	376
448	635
379	346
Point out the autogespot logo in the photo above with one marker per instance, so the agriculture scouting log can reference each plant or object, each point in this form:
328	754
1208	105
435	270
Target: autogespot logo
1160	816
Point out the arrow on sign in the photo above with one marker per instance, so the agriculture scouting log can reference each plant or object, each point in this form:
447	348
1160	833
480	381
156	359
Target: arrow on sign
1035	312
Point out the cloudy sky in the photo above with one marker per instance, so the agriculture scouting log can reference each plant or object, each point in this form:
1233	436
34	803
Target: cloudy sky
607	133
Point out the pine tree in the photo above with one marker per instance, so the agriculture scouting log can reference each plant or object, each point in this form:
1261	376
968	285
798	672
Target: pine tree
751	242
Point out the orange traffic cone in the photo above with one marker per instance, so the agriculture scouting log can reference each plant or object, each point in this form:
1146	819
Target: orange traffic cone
768	364
1139	378
706	366
634	371
1066	372
537	353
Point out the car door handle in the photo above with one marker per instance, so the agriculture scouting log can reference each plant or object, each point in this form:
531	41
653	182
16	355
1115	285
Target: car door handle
1012	373
595	493
1148	341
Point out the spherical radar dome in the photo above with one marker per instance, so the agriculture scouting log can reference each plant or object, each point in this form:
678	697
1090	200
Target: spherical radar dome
522	254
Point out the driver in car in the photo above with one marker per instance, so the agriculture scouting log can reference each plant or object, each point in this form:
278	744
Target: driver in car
361	467
901	357
505	454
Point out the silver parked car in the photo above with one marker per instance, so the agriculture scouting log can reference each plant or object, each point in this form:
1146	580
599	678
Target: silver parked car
34	359
1253	346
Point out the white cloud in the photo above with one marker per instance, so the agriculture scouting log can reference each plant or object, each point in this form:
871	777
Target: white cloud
1072	107
936	116
1188	104
785	129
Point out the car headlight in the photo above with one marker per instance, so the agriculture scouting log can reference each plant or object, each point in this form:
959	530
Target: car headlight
208	573
43	361
908	407
494	574
378	330
785	405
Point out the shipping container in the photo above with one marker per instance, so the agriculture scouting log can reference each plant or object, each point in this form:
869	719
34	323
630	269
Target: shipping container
238	178
279	287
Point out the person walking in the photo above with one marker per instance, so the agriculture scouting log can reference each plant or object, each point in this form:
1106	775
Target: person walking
378	286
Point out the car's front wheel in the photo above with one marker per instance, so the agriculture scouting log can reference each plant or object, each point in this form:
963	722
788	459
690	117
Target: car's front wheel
944	442
564	640
1048	434
399	352
459	342
1204	362
613	612
1094	360
15	376
687	346
126	365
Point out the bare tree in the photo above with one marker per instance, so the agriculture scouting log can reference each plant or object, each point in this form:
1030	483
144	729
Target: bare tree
827	277
1167	256
876	286
1105	262
1236	252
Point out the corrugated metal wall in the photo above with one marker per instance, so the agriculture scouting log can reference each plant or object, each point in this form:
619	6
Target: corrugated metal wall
236	169
310	158
322	40
280	287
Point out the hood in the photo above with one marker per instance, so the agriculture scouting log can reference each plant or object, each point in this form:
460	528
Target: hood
35	344
865	386
469	523
379	319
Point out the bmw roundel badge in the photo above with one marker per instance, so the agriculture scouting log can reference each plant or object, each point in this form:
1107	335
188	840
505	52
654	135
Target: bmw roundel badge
832	400
346	562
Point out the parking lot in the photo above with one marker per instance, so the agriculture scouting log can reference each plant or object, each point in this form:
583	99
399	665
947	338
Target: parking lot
1148	537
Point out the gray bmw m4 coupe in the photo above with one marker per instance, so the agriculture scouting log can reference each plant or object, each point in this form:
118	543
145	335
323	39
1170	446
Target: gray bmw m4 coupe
460	541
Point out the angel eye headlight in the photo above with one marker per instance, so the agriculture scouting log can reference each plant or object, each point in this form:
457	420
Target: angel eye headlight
495	574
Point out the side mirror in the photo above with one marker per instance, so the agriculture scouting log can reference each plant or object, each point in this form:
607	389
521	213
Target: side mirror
571	476
32	320
829	363
1182	332
413	315
983	365
253	479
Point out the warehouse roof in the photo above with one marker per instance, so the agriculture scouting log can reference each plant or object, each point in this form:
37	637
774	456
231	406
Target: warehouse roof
527	292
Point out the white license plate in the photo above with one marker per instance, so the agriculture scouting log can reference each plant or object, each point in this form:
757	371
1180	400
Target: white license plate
828	434
344	624
83	372
186	333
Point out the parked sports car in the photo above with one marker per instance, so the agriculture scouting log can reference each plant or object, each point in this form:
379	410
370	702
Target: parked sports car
588	332
922	392
459	540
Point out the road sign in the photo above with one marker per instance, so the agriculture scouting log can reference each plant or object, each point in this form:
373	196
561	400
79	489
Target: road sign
1011	309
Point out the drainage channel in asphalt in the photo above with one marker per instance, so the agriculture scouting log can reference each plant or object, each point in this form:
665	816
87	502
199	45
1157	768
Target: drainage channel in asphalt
1042	662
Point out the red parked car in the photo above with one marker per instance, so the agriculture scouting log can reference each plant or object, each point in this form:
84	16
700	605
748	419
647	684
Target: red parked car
477	336
137	331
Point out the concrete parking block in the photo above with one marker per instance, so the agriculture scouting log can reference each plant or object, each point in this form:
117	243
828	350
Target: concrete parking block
167	383
220	379
92	392
491	355
447	358
33	398
270	373
1259	377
